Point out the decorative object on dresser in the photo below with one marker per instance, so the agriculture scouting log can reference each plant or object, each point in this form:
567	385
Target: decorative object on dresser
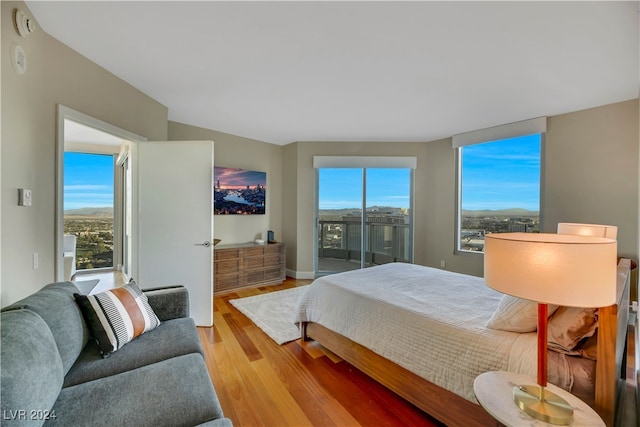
562	269
248	264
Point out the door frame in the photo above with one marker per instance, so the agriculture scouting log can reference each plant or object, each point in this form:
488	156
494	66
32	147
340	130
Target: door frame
64	113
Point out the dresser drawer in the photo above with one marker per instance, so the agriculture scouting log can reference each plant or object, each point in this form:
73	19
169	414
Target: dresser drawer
274	273
237	266
253	263
273	249
227	281
272	260
220	254
228	266
253	252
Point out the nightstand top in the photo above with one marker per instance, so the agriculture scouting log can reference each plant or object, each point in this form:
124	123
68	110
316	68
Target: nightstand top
494	391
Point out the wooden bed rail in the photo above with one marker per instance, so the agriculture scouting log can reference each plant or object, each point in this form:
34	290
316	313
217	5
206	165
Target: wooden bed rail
440	403
612	349
456	411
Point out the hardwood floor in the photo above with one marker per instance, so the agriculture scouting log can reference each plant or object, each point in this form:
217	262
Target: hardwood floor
260	383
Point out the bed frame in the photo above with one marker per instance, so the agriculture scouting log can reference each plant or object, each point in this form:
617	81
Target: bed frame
454	410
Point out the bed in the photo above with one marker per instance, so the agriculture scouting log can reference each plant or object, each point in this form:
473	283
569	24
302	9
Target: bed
422	333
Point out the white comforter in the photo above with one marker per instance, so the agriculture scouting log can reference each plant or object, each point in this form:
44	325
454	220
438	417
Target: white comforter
426	320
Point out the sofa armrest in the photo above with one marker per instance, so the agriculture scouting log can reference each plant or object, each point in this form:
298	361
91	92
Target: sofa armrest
169	302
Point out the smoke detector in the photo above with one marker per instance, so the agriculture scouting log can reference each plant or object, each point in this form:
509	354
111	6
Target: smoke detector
24	26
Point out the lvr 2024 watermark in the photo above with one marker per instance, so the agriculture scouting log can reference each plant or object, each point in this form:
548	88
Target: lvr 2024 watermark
28	414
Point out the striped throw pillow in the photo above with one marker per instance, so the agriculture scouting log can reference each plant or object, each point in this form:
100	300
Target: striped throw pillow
117	316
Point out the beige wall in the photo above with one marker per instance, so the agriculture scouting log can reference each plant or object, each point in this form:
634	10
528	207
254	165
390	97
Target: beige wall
441	219
591	171
55	75
237	152
590	174
290	222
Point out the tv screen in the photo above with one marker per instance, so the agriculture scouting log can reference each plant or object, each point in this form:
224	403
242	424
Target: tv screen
239	191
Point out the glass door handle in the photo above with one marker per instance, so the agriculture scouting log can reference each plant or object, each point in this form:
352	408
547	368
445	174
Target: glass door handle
205	244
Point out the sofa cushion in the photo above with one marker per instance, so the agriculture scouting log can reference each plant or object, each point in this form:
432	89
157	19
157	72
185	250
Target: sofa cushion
174	392
55	304
31	368
172	338
170	302
117	316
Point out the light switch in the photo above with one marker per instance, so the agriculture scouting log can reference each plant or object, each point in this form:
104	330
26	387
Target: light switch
24	197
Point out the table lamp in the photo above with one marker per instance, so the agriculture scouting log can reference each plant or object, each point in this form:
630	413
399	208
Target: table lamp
595	230
561	269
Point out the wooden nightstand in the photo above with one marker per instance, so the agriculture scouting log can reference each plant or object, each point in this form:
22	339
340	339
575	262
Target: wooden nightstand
494	391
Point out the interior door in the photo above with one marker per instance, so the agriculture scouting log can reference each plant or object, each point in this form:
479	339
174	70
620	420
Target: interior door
173	203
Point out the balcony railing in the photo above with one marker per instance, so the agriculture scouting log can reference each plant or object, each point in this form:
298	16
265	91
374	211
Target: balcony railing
342	240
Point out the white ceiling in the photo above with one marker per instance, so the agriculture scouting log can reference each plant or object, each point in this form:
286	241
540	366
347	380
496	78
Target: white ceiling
358	71
77	133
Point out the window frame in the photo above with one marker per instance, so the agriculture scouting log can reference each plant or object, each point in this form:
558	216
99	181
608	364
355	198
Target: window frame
364	163
458	179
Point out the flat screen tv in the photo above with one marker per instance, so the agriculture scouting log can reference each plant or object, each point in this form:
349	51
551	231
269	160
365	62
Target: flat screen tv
239	191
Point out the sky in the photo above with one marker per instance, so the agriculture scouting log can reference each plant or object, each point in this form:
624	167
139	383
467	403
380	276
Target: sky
238	178
341	188
88	180
502	174
498	175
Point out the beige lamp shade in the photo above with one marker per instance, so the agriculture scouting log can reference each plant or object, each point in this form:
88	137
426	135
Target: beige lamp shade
595	230
569	270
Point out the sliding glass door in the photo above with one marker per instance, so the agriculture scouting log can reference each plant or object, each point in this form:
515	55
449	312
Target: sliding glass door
340	194
388	216
363	218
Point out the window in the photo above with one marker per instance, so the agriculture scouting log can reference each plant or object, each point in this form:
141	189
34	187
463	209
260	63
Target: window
88	207
499	189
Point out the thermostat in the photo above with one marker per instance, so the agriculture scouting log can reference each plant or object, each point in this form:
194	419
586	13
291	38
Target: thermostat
24	197
18	58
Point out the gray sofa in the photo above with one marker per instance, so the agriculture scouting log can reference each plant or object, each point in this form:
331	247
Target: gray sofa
53	373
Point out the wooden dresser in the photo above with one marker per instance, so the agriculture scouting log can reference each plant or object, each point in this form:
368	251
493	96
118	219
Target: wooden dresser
248	264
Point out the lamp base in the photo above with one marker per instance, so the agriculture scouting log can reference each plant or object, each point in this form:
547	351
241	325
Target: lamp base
543	405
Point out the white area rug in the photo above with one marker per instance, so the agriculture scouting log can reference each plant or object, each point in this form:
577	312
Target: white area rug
273	312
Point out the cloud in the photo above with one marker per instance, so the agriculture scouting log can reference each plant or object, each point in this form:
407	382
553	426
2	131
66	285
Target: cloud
90	187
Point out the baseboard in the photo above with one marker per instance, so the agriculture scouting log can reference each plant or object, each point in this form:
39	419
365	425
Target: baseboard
303	275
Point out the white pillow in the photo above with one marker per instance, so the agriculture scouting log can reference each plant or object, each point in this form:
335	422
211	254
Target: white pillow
516	315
